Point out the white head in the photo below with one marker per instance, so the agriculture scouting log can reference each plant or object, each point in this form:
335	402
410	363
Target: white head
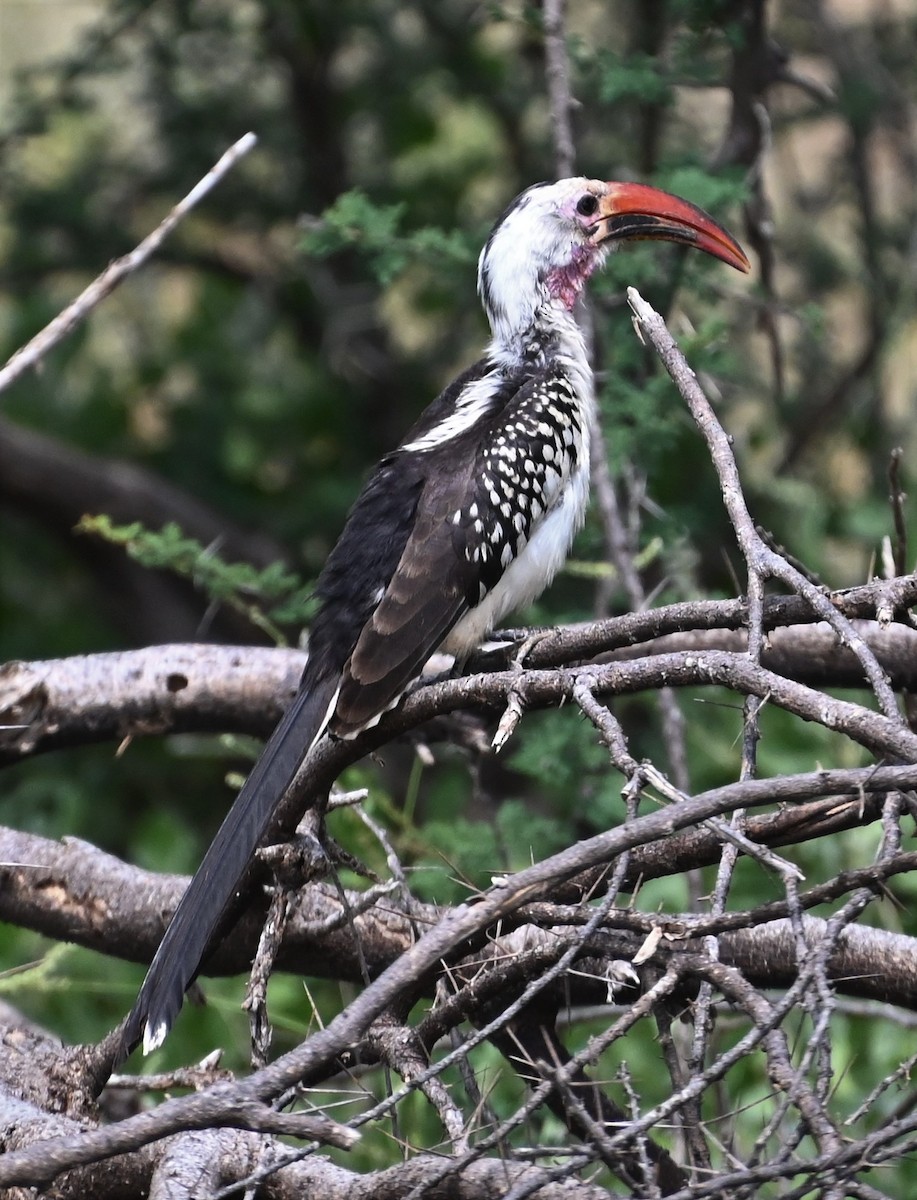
554	235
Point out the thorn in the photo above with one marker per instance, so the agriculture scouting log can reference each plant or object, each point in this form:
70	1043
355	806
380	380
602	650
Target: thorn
512	715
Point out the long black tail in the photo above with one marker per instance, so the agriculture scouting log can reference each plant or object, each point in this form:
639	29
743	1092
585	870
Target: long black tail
201	909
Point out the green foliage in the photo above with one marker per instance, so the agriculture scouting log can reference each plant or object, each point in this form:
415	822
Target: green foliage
268	597
572	769
354	221
631	77
73	991
464	856
720	193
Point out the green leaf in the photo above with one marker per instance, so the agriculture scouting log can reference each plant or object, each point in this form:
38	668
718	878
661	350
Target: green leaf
354	221
268	596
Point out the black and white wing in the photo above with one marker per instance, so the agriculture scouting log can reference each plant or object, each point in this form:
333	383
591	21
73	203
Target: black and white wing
440	527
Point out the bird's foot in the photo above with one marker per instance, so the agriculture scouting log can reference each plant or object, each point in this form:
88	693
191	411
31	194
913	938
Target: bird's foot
525	646
438	669
507	648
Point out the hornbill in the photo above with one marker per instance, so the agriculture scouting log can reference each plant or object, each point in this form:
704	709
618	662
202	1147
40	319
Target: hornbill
467	520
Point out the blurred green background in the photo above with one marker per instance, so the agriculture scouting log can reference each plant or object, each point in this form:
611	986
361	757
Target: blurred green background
296	323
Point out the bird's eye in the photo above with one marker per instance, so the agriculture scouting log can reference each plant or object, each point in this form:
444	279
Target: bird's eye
587	205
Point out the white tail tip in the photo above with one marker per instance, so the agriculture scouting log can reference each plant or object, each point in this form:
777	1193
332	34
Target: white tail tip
154	1036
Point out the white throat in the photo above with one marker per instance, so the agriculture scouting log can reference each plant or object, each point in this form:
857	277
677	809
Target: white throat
529	299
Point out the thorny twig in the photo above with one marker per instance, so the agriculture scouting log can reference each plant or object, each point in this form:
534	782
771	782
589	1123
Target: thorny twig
760	558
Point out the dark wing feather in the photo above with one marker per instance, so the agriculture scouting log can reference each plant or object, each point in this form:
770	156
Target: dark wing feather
428	592
464	523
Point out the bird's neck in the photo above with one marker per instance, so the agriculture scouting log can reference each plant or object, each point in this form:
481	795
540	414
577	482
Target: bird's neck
531	315
537	335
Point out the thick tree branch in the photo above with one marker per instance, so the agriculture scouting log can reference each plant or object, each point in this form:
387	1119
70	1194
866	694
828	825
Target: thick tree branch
457	926
90	698
205	688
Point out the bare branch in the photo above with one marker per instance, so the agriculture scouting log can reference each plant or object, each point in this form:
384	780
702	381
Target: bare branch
760	558
209	688
65	322
557	74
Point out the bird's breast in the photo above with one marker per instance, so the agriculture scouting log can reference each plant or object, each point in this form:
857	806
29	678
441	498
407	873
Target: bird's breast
529	500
